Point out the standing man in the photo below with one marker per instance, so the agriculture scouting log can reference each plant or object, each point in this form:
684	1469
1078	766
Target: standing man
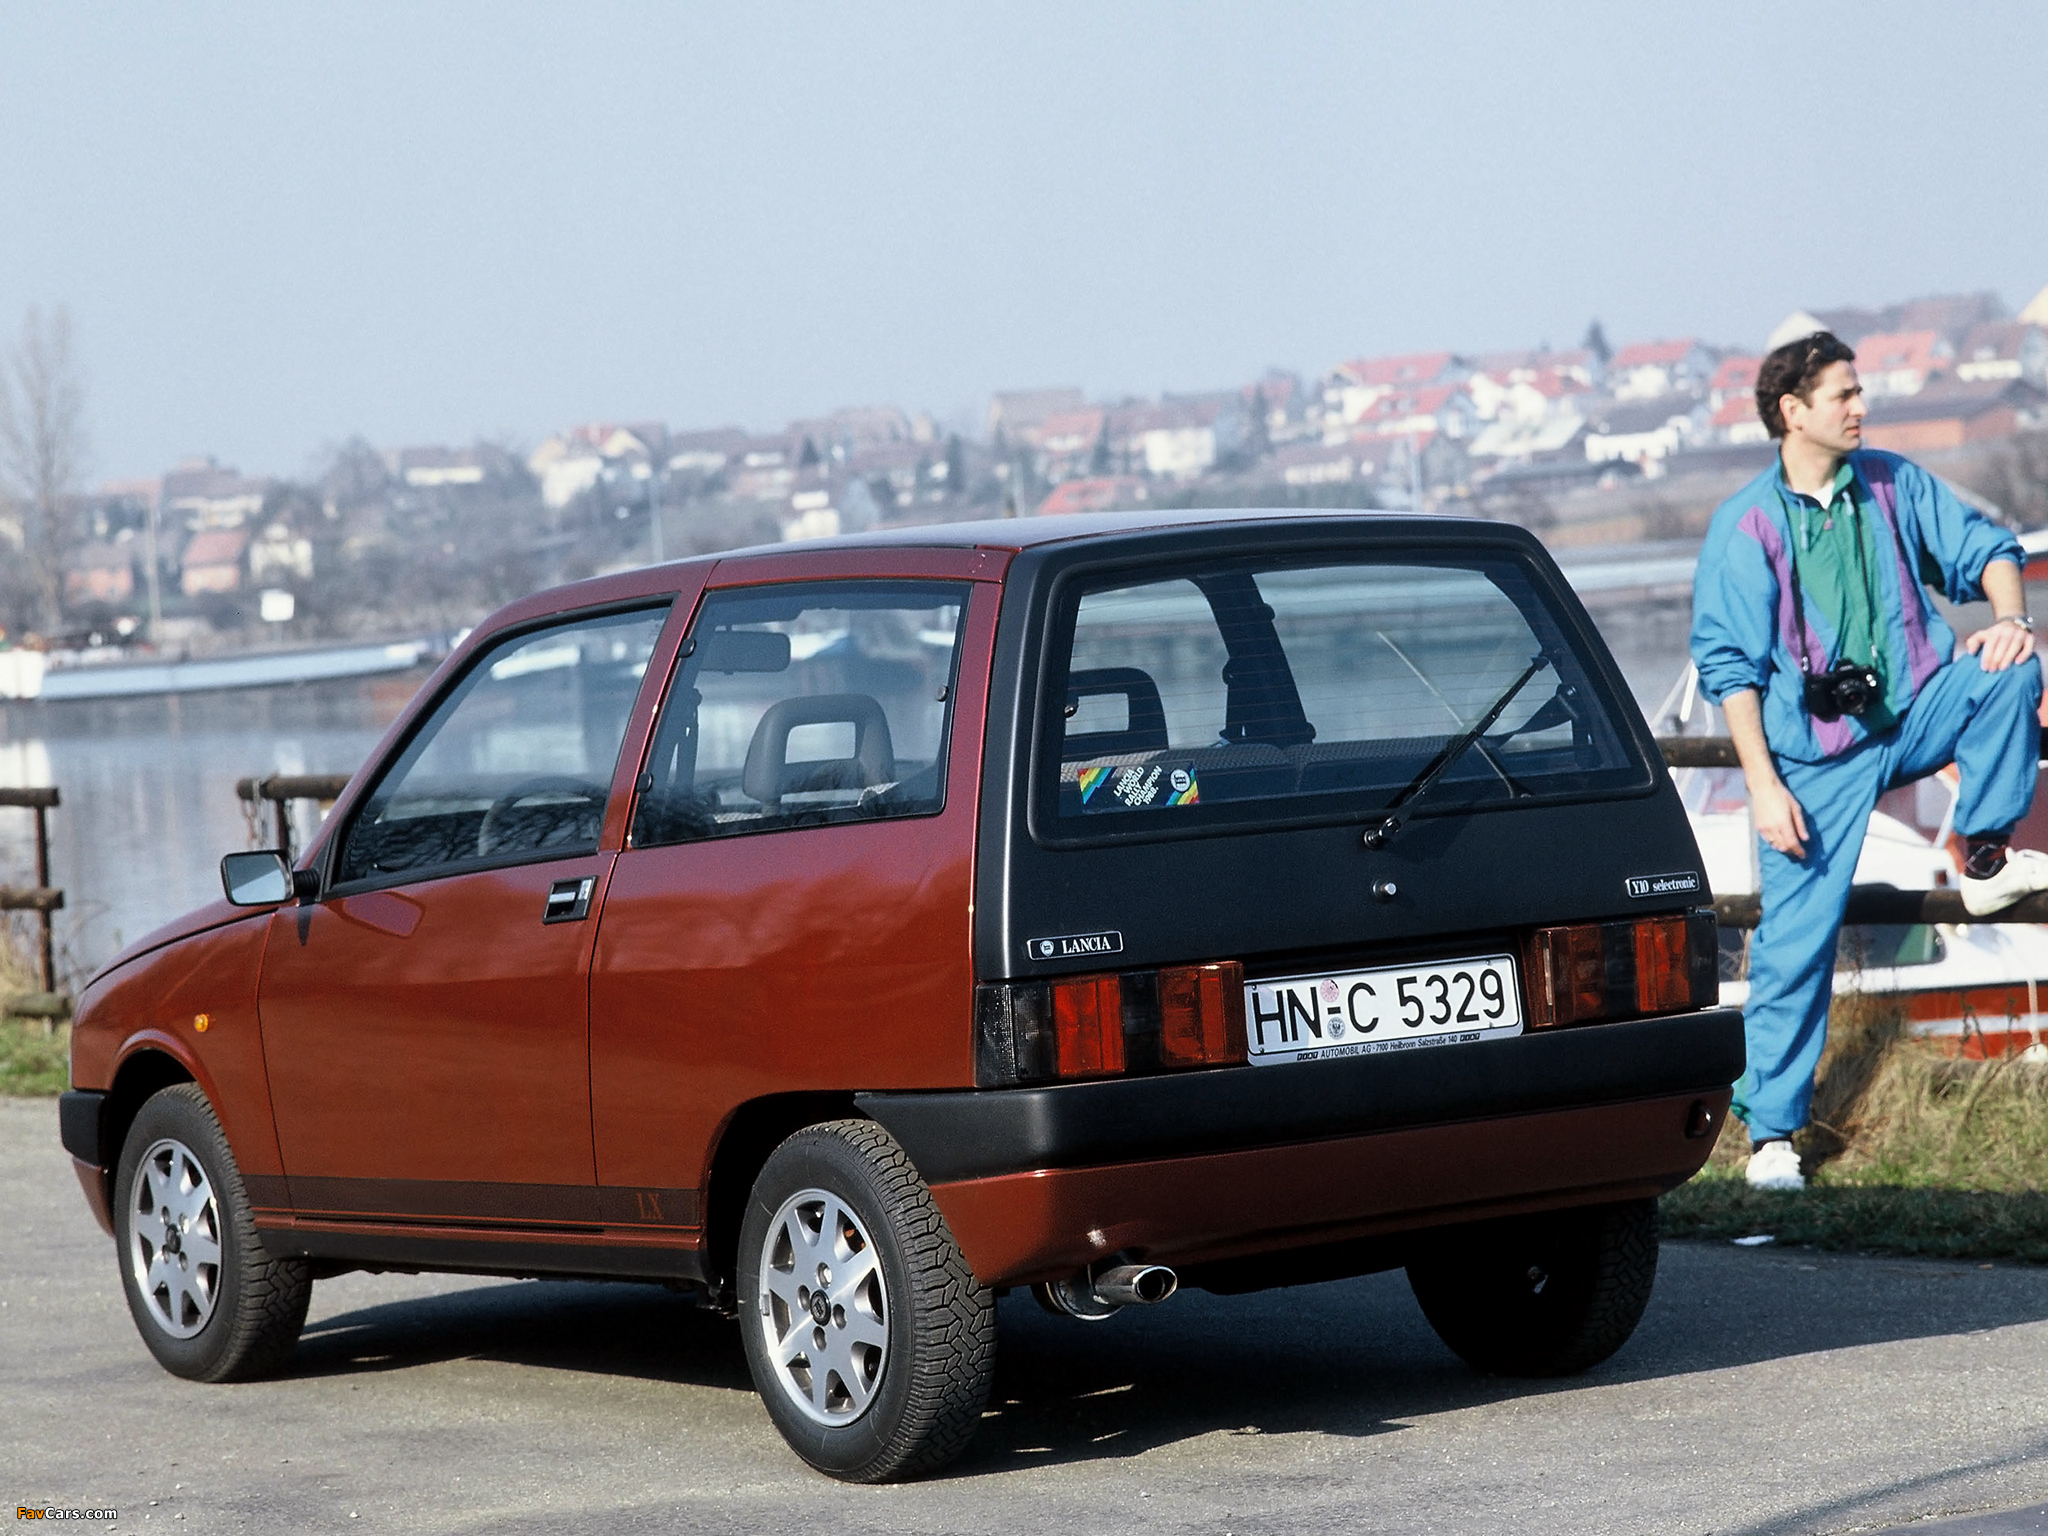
1812	632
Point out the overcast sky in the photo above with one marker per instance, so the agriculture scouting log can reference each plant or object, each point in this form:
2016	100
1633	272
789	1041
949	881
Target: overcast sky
276	226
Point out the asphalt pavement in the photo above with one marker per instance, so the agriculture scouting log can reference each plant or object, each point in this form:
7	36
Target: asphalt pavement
1768	1391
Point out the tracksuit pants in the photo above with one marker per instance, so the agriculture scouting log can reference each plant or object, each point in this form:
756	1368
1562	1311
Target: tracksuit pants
1983	722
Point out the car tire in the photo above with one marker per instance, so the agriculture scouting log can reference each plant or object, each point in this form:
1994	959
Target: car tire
869	1339
1543	1295
209	1301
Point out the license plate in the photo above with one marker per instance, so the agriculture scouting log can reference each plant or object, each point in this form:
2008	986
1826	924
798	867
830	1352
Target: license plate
1392	1008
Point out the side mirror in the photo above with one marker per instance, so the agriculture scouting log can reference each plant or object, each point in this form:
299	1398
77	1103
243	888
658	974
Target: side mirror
260	879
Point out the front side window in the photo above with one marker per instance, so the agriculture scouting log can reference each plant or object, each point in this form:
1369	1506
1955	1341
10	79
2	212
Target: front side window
1249	691
805	704
517	761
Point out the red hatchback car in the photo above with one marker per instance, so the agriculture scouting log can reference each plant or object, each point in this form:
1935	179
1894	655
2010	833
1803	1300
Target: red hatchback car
848	932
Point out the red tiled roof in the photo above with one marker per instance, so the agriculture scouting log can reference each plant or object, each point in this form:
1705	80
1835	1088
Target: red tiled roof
1394	372
1888	350
217	546
1556	383
1653	354
1502	367
1736	373
1100	495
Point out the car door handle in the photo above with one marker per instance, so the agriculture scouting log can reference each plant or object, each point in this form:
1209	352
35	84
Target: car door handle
569	900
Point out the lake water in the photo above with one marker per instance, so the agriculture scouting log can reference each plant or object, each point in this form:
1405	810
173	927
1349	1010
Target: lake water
149	793
149	784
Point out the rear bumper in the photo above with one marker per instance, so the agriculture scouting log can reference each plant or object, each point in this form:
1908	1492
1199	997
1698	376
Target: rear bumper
1200	1166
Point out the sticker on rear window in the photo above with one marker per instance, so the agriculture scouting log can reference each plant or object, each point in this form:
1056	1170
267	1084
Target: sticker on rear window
1131	789
1075	946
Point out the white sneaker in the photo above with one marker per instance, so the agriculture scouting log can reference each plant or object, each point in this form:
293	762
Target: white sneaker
2025	872
1774	1165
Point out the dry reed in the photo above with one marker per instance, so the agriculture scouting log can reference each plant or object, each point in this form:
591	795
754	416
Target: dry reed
1910	1151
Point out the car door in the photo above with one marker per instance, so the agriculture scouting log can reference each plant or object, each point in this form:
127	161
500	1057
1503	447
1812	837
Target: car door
792	911
425	1025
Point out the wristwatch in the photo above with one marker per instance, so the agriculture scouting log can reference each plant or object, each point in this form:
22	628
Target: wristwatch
2024	620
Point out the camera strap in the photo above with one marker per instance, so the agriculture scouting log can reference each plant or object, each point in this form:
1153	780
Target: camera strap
1798	605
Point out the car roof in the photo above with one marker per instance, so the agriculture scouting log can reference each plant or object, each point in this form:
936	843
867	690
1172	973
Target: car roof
1011	535
1020	533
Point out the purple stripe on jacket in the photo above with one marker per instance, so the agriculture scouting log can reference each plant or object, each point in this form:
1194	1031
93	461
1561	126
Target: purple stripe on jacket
1832	736
1921	661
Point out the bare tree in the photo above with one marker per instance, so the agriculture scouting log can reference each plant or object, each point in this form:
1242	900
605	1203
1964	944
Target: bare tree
42	452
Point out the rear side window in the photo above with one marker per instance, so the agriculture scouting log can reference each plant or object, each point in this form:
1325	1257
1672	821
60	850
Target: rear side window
1245	691
805	704
517	761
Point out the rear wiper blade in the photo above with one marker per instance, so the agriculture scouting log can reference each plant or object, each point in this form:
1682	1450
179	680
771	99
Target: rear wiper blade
1450	709
1404	803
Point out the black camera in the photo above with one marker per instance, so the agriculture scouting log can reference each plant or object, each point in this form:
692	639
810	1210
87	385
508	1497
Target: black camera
1844	689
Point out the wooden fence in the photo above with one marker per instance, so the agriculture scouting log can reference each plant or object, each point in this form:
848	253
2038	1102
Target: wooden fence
41	899
281	789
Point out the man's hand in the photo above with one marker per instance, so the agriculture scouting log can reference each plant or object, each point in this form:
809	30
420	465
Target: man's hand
2000	645
1776	815
1779	820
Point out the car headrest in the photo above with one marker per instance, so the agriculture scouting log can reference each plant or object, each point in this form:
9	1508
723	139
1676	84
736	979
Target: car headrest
1145	716
766	774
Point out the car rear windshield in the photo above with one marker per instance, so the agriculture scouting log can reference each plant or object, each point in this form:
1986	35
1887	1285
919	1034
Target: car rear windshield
1244	691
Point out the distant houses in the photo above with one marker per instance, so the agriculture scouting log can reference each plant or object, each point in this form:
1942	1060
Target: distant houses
212	561
1649	370
2004	349
1893	363
1953	414
1643	432
1498	432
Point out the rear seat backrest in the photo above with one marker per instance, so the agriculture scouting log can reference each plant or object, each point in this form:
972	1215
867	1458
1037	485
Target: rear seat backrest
1144	713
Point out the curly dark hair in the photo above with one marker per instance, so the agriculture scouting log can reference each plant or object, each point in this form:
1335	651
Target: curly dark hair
1794	369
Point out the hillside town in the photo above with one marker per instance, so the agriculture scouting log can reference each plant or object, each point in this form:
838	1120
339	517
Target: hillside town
1596	444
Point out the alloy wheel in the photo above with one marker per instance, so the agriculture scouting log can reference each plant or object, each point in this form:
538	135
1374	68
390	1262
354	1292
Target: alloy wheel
174	1239
823	1307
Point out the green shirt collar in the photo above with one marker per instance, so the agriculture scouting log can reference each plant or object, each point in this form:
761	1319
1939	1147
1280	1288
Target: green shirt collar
1845	476
1801	506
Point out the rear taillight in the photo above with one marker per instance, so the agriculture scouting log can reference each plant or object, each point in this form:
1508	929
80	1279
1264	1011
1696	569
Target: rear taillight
1088	1026
1201	1015
1622	970
1100	1026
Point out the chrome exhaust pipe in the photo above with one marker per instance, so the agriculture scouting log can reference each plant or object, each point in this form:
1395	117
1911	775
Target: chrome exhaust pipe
1092	1298
1135	1285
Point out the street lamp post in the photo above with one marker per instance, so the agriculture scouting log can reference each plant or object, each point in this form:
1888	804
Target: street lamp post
654	486
149	547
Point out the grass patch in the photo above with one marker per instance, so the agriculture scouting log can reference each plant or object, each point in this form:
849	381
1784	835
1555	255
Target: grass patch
33	1063
1858	1218
35	1060
1910	1152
